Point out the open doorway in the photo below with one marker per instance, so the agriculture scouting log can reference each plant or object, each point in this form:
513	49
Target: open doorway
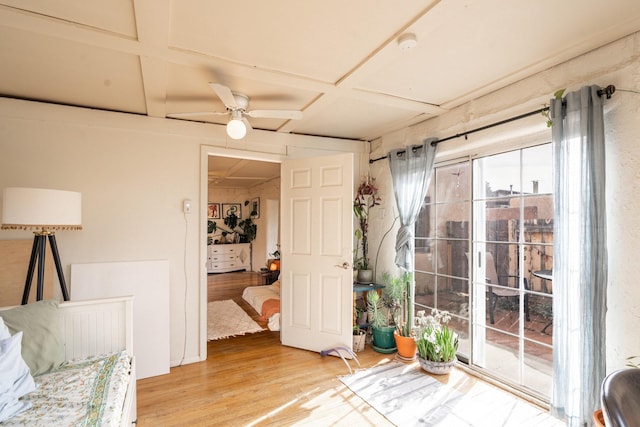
249	190
340	311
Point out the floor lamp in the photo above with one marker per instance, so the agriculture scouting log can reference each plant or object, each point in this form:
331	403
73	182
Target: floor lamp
45	212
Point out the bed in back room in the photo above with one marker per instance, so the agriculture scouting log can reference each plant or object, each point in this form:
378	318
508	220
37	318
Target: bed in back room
265	300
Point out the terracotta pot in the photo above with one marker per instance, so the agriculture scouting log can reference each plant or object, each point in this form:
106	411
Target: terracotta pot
598	418
437	368
407	347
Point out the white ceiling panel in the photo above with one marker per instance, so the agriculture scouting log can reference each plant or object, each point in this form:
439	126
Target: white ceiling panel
67	72
363	116
462	49
321	40
336	61
230	172
115	16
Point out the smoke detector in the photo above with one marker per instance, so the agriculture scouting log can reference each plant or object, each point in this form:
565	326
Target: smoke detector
407	41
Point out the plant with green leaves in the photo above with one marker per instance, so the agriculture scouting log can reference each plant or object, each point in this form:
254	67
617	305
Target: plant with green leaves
249	229
631	363
231	221
397	292
435	340
546	113
366	198
378	314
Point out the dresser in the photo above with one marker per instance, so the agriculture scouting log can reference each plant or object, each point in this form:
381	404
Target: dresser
228	257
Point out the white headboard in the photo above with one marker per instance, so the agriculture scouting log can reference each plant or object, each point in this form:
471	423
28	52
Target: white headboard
95	327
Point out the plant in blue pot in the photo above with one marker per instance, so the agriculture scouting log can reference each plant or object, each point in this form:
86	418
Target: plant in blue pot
381	321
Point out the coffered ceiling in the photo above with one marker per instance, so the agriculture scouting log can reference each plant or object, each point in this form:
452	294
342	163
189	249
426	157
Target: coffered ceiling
337	61
229	172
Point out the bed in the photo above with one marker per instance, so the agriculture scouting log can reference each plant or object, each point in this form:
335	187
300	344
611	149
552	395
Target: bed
265	300
74	364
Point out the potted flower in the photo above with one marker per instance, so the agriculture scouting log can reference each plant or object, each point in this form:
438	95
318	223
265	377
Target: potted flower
437	343
366	198
397	291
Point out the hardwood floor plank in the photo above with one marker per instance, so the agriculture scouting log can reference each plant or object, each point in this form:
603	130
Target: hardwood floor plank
253	380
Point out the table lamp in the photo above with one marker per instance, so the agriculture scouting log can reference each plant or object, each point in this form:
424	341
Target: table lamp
44	211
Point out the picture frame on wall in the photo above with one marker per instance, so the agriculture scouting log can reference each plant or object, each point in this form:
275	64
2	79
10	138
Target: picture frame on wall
229	208
255	207
213	210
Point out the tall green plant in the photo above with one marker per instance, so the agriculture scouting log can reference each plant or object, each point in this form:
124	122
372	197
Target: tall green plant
376	310
397	290
366	198
249	229
231	221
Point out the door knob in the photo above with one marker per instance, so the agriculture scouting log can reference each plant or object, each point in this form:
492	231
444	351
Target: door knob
345	265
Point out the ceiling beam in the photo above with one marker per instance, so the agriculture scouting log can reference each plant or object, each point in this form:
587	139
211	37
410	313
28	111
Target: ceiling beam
152	24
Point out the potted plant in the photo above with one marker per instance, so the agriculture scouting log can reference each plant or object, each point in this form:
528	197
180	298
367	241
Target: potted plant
381	323
366	198
249	230
437	343
248	227
359	337
360	315
234	229
398	292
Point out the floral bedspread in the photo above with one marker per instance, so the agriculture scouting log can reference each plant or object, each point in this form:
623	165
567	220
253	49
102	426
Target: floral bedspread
88	392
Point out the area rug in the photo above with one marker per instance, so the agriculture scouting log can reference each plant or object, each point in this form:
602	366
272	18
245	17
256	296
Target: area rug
226	319
407	396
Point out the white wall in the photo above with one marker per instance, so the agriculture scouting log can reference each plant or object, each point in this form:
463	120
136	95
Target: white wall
617	64
264	243
271	209
134	172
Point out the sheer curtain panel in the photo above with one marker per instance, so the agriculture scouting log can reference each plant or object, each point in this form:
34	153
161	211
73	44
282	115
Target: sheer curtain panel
580	255
410	173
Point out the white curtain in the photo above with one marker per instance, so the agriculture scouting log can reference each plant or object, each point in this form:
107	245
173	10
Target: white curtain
411	170
580	256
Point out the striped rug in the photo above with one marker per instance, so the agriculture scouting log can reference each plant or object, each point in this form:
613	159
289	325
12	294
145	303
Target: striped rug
408	396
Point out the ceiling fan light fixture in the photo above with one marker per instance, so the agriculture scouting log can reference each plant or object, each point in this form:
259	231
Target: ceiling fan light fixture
236	129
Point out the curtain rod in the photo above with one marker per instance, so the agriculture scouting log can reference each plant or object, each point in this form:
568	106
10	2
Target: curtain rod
607	91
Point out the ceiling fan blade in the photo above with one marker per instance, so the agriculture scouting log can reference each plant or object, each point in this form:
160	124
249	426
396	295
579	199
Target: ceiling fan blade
275	114
198	113
225	95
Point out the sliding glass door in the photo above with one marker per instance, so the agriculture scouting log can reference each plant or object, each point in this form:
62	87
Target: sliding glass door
484	243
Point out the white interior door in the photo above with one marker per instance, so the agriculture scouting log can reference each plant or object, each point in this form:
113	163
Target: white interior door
317	248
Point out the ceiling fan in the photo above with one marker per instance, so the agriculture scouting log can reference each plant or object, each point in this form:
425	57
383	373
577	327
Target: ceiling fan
236	104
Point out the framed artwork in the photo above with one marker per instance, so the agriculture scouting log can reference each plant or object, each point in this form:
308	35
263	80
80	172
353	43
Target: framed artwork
255	207
213	210
229	208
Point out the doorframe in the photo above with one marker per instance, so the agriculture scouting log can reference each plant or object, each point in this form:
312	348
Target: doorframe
205	152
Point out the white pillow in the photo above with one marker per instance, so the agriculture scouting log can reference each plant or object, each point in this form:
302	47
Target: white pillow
4	330
15	377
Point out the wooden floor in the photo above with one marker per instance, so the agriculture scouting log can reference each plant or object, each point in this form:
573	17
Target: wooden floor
253	380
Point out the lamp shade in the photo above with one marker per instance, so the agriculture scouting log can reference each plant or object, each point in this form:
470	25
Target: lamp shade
37	208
